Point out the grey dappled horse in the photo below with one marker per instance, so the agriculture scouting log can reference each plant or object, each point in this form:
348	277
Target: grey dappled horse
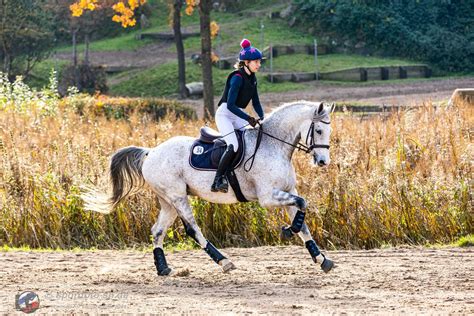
271	182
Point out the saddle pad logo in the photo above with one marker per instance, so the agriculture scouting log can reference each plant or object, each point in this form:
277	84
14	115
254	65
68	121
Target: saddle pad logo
198	150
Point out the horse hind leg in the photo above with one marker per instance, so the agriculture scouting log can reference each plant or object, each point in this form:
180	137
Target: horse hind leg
305	235
193	230
165	219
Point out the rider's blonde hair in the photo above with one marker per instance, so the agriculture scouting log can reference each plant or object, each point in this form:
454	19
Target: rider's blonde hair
239	64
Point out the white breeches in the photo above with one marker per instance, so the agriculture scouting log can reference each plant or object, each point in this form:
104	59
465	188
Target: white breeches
226	122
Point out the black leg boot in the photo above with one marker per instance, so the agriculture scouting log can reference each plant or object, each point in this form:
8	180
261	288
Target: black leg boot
220	182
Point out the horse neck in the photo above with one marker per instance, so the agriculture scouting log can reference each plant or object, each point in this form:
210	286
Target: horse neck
285	124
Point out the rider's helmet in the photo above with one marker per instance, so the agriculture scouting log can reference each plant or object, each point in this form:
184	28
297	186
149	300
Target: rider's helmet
248	52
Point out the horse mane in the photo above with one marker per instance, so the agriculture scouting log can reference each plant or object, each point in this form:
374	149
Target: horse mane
284	108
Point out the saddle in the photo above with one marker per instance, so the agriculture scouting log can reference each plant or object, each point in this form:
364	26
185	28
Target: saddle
207	150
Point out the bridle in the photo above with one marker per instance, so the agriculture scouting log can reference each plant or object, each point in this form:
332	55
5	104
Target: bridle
307	147
299	146
310	135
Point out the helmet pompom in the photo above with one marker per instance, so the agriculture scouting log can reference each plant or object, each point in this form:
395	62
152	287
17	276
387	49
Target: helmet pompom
245	43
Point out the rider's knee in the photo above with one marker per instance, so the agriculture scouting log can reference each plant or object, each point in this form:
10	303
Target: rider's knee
233	147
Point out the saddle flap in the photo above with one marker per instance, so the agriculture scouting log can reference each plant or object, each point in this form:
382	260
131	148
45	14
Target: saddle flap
206	154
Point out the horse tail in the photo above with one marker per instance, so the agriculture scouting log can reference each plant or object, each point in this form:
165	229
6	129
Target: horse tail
126	177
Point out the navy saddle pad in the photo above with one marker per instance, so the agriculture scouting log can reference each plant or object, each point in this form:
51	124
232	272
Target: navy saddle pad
207	150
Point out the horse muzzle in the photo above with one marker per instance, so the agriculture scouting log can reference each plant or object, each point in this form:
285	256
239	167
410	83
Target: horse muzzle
320	160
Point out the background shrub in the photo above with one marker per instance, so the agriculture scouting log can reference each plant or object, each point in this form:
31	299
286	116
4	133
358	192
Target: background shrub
440	32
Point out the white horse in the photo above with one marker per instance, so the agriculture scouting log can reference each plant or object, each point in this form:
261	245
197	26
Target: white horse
272	181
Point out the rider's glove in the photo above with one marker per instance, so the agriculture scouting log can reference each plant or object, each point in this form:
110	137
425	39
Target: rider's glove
252	121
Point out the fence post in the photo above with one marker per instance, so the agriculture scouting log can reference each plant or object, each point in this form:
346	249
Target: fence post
271	63
316	58
262	38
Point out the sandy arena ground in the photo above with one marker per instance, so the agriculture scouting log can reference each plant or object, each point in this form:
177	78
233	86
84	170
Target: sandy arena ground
268	280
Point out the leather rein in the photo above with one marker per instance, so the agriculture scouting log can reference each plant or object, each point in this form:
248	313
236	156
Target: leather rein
298	146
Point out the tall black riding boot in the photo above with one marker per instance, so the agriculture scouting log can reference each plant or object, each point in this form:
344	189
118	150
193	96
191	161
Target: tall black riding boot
220	182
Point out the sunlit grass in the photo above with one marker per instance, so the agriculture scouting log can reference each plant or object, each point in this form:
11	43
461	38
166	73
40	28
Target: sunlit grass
466	241
332	62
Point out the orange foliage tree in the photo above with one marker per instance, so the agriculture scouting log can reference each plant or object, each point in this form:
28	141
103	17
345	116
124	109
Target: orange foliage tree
124	14
124	10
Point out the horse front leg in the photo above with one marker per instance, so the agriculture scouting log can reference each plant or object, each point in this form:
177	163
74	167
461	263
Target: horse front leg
316	254
297	209
291	199
192	229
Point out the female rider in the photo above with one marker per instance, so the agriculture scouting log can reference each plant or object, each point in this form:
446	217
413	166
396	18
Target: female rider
240	88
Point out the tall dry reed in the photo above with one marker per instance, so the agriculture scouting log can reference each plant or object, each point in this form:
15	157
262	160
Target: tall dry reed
404	178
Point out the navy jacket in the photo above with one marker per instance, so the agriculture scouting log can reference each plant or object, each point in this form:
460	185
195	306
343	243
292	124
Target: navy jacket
239	89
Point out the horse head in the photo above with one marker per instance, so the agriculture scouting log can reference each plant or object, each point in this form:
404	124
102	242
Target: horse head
316	133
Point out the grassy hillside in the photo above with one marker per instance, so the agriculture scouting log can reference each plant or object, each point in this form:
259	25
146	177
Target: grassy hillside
161	80
233	26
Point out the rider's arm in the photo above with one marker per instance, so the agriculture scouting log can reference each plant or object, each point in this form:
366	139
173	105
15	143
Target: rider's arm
257	106
235	84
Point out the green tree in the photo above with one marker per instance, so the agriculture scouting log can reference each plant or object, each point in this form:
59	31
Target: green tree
26	35
439	32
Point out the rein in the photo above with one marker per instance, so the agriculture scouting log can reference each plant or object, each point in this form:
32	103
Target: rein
299	146
257	145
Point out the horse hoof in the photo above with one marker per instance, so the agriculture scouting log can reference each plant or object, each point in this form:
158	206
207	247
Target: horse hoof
286	233
227	265
327	265
165	271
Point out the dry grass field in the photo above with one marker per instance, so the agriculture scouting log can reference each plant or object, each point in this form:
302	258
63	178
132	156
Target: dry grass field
398	179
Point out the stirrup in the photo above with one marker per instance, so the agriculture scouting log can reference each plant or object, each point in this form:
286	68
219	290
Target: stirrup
220	185
224	188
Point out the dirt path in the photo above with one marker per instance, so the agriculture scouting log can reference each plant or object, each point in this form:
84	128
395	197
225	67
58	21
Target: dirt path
268	280
376	93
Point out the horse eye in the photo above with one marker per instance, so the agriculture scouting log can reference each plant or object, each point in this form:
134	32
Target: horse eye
319	131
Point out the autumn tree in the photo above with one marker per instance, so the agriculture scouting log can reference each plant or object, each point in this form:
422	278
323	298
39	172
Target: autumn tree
125	15
91	23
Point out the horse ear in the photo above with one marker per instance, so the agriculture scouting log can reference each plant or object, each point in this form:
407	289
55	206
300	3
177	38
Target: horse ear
321	108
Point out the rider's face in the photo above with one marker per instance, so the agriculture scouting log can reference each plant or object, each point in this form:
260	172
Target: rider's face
254	65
